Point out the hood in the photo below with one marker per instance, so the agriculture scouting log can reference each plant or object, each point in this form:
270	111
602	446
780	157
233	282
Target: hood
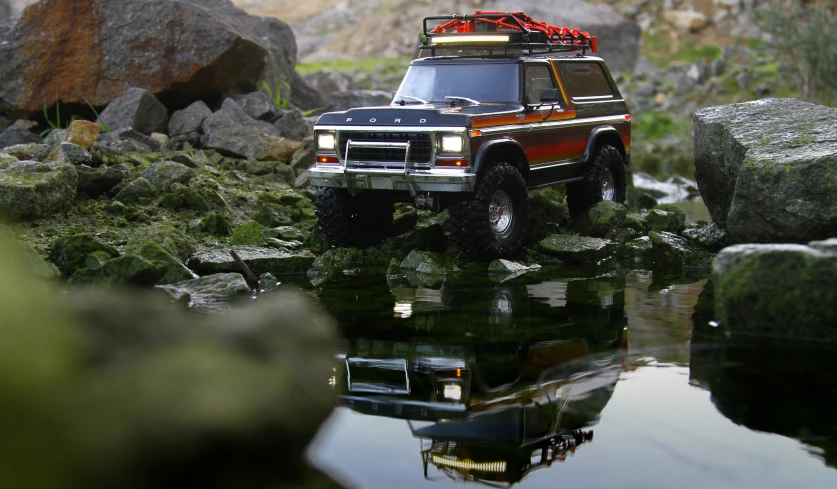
441	115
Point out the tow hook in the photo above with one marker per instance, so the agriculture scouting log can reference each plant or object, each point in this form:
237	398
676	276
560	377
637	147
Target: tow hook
428	201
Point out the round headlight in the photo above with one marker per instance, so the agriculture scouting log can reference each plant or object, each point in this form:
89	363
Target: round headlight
325	140
452	144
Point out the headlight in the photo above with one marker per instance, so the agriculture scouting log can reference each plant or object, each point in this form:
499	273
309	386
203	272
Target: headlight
325	140
452	392
452	144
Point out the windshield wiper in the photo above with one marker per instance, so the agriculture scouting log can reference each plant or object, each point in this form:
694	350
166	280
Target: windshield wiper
453	98
412	98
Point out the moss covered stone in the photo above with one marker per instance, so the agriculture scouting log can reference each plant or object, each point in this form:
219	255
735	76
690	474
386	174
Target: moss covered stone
163	175
209	293
286	233
250	233
637	250
175	270
707	235
577	249
216	225
600	219
137	191
69	253
166	236
636	222
672	251
346	261
96	259
429	263
666	218
405	218
260	260
316	242
548	213
32	190
181	197
127	269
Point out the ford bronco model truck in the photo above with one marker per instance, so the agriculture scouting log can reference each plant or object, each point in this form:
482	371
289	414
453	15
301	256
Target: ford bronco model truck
502	105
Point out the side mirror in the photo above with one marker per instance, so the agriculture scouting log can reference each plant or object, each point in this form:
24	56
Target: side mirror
550	95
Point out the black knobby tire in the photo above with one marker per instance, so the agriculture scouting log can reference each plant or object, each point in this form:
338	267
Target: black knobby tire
473	229
588	192
347	220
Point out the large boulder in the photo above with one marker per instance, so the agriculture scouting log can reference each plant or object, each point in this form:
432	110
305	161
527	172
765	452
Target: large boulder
32	190
233	132
779	289
180	51
766	169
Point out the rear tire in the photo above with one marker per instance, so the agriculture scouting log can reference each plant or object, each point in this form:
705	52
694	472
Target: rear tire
605	179
494	221
357	221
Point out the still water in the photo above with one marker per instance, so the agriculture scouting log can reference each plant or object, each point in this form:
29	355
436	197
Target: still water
568	377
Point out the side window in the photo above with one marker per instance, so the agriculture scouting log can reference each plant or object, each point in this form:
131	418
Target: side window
538	77
584	80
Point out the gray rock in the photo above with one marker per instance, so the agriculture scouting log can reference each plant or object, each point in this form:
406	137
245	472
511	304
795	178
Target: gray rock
32	190
766	169
637	250
672	251
286	233
175	271
267	282
134	135
359	98
136	109
102	179
506	266
162	175
293	126
306	156
259	106
6	160
19	133
55	137
260	260
28	151
777	290
232	131
577	249
718	67
73	155
189	120
328	82
209	293
706	235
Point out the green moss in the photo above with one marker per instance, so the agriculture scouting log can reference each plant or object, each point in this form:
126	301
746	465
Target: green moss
166	236
250	233
175	271
216	225
69	253
127	269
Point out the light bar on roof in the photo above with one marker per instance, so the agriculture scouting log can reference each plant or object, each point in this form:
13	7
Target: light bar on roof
457	38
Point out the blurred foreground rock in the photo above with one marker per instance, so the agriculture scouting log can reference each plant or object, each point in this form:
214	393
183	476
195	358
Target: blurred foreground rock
106	389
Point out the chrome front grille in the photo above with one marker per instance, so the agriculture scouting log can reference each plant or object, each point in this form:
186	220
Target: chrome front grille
375	149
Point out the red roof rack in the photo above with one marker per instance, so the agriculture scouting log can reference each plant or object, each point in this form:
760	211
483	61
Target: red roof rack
506	31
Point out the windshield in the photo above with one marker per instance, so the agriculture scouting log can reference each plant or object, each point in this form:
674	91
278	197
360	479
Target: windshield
480	82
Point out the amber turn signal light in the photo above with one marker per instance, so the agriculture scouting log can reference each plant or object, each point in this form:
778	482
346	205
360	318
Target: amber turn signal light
328	160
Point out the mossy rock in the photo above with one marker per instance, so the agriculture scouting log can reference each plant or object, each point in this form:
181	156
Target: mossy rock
166	236
429	263
215	225
69	253
316	242
97	259
548	213
672	251
250	233
600	219
33	262
259	260
286	233
577	249
405	219
666	218
127	269
274	215
181	197
636	222
637	250
138	191
706	235
175	270
32	190
347	261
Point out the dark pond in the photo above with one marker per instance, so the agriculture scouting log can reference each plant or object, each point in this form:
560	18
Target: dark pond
568	377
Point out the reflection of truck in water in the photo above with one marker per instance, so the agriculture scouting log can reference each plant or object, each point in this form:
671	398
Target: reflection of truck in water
491	403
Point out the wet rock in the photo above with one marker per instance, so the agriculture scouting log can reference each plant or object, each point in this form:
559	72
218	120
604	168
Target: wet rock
102	179
28	151
260	260
292	125
216	225
577	249
69	253
136	109
210	292
125	270
668	218
137	191
506	266
637	250
32	190
73	155
19	133
621	235
783	290
260	107
233	131
316	242
162	175
404	220
338	262
166	236
706	235
548	213
286	233
82	133
250	233
175	270
600	219
428	263
636	222
766	169
672	251
267	282
305	157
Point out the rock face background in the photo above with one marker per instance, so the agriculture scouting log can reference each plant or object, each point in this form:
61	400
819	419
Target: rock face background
767	170
78	50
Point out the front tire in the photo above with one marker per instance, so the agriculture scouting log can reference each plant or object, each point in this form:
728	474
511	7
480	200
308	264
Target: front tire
605	180
494	222
357	221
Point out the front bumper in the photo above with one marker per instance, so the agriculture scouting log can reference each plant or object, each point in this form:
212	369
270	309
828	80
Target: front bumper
434	180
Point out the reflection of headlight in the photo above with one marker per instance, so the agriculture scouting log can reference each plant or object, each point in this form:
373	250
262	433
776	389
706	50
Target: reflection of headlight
325	140
451	144
453	392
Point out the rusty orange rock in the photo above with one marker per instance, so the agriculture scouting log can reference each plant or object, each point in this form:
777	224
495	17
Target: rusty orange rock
83	133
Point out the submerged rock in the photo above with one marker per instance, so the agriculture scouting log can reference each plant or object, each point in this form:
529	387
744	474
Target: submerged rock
69	253
260	260
210	292
766	169
786	290
429	263
672	251
337	262
32	190
577	249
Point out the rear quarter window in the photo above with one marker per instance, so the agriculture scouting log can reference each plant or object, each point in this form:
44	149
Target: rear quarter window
584	80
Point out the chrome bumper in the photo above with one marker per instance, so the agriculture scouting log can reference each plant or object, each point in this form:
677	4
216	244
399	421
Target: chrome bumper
420	180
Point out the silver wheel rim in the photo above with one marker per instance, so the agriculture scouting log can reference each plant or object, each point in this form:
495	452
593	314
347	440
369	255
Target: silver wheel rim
501	212
608	187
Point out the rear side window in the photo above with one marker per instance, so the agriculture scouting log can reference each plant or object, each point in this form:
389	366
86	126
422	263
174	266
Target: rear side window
538	78
584	80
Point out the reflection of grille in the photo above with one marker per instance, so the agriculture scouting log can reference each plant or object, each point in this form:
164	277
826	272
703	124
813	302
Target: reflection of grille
420	147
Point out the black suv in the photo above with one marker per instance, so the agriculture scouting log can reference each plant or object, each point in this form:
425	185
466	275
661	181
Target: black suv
498	108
